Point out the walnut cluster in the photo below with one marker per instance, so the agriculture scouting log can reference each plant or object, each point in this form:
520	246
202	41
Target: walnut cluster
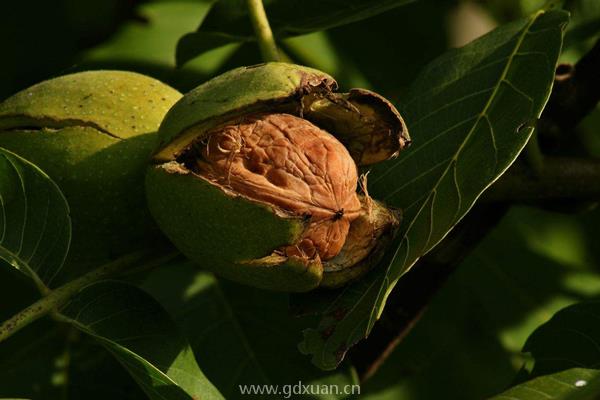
294	165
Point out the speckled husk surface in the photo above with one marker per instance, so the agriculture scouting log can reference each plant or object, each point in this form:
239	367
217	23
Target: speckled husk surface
93	133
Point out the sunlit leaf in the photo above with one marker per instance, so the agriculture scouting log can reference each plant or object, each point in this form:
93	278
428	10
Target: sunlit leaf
573	384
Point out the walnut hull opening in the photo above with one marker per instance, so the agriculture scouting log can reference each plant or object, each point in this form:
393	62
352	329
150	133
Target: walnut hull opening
368	125
302	172
290	164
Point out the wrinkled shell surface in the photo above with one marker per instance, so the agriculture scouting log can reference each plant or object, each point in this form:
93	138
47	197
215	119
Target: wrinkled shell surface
288	162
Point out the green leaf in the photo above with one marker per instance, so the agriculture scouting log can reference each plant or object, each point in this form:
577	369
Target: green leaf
131	325
573	384
228	21
35	227
469	114
243	335
570	339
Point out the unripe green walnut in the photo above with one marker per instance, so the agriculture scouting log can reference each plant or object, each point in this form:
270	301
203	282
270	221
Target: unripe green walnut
256	177
93	133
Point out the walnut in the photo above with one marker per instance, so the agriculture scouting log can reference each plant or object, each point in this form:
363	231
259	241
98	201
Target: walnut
255	177
288	162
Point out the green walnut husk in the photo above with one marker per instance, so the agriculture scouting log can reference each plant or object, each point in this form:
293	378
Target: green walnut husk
265	236
93	133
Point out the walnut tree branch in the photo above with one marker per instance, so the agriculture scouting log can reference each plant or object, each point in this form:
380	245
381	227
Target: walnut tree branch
56	298
416	289
561	178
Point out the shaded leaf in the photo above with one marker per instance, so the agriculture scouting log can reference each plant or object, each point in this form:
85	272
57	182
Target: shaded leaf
582	32
144	339
35	227
585	17
573	384
228	21
571	339
391	54
31	362
242	335
91	366
192	45
466	114
357	56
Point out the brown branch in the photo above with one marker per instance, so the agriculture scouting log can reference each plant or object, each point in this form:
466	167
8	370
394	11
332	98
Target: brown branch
416	289
561	178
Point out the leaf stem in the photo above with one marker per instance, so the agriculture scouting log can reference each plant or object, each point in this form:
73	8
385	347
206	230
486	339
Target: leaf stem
59	296
264	34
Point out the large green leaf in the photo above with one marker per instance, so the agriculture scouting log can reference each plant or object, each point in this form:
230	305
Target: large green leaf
242	335
228	21
144	339
35	227
573	384
470	115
